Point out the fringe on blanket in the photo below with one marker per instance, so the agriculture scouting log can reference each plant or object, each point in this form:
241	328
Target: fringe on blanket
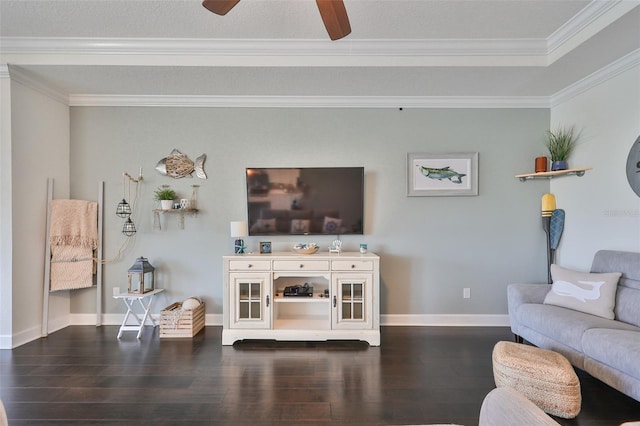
74	223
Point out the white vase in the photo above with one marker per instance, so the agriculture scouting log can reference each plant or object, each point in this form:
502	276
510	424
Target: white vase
166	204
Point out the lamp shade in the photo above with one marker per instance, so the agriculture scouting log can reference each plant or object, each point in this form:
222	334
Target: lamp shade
239	229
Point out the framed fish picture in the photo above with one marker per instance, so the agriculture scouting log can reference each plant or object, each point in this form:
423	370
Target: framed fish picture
442	174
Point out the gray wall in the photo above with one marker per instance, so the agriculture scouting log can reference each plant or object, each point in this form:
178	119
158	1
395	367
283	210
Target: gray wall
602	211
430	247
40	150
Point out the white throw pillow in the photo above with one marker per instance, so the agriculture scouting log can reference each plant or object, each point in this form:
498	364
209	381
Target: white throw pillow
591	293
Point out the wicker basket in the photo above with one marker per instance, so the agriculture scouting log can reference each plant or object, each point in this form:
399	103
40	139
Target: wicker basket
174	322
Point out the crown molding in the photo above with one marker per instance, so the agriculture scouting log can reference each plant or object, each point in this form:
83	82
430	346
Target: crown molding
271	47
27	79
606	73
615	68
586	23
203	52
312	101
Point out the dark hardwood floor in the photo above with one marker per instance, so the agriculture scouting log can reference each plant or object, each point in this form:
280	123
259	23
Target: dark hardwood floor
84	375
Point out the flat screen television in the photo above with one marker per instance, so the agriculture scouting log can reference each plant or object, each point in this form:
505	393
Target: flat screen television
305	201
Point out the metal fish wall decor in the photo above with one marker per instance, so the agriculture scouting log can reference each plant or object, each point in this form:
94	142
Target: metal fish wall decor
178	165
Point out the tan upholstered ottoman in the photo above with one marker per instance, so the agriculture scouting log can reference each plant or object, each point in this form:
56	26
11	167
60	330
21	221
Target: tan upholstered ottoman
545	377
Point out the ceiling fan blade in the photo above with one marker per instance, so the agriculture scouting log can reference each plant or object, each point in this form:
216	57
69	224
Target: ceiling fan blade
219	7
334	16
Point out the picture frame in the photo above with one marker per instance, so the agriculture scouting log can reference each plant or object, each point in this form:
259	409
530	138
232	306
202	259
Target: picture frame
265	247
442	174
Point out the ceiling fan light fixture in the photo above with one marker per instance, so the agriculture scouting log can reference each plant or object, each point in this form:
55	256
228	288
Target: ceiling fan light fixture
219	7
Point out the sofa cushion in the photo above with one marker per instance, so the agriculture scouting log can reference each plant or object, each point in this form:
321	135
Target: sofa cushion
628	297
628	305
618	349
591	293
562	324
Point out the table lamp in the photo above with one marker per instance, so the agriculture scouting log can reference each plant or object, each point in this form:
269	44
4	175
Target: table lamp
239	230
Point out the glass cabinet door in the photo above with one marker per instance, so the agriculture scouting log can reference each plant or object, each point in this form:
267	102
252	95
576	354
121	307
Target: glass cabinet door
250	301
352	301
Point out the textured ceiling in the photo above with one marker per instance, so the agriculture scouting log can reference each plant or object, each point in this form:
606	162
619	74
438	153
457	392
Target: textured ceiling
286	19
364	63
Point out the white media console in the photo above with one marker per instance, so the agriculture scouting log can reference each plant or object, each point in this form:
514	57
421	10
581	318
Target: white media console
345	304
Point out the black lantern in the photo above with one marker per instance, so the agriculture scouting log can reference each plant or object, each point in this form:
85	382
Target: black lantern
141	277
124	209
128	228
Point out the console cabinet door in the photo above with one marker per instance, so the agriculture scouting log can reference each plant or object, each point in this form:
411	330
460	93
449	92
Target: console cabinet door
352	300
250	304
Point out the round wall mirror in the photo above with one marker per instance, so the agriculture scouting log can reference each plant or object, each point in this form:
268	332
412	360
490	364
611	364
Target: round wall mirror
633	167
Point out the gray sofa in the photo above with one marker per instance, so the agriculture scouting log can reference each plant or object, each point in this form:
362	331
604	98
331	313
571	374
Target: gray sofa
607	349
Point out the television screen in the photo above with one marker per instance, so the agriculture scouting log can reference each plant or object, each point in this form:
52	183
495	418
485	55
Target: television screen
305	201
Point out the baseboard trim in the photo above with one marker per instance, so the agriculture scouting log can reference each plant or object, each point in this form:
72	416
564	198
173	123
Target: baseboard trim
451	320
116	319
5	341
33	333
388	320
26	336
59	323
445	320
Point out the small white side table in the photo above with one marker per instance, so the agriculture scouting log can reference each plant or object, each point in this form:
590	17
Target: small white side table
129	299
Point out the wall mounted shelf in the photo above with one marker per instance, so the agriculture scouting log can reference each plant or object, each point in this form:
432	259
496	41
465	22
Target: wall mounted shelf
551	175
176	211
180	212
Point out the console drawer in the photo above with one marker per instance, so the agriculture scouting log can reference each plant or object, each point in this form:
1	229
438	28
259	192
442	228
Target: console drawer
300	265
352	265
249	265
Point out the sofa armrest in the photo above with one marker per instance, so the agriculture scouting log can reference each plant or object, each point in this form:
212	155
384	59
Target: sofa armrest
519	294
527	293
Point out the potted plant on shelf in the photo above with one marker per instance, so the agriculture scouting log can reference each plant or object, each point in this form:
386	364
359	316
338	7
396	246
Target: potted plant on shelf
166	196
561	144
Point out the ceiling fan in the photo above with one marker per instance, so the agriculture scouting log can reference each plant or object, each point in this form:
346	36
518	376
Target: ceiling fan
333	12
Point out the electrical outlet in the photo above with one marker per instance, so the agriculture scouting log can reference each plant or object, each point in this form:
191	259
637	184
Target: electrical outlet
116	291
466	293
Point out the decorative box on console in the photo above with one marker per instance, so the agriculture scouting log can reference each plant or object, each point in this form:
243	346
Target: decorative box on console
175	322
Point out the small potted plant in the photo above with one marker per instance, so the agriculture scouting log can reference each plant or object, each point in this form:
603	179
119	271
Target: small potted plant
561	144
166	196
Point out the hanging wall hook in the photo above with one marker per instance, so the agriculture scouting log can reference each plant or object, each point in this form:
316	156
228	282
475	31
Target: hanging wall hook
131	178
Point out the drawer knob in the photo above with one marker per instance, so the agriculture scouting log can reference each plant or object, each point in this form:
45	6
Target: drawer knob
249	266
353	266
301	265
